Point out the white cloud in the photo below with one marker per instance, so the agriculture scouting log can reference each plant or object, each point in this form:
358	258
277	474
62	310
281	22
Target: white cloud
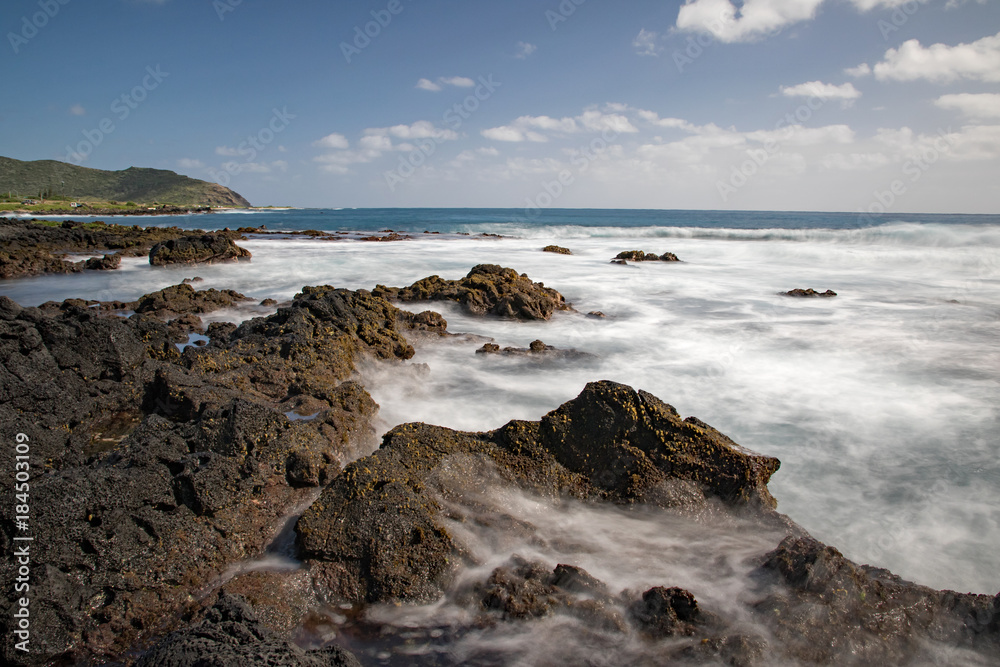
334	140
457	81
972	142
752	20
488	151
940	63
189	163
524	49
846	93
868	5
854	161
226	151
645	43
427	84
374	142
442	81
77	110
860	71
422	129
981	105
531	128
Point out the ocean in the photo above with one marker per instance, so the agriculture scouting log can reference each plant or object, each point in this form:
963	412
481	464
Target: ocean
882	403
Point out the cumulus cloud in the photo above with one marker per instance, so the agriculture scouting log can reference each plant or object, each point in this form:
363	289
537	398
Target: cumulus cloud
226	151
860	71
976	105
334	140
524	49
645	43
940	63
190	163
77	110
427	84
752	20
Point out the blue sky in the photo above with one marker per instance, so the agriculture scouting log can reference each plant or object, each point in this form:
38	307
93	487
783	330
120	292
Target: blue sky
766	104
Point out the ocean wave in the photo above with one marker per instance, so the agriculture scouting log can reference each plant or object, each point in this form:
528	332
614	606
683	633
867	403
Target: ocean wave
896	234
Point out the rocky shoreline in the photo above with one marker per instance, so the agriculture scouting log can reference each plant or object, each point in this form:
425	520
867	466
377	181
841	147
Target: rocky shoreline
158	466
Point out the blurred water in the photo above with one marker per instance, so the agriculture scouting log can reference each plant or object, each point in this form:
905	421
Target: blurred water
880	403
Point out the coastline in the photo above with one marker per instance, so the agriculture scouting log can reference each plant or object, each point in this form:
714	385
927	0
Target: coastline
308	469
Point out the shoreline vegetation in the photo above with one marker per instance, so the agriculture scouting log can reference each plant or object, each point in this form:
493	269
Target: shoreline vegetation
165	451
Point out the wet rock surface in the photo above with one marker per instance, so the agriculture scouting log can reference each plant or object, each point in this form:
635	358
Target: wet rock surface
535	350
487	289
155	469
559	250
33	247
201	249
808	293
229	635
641	256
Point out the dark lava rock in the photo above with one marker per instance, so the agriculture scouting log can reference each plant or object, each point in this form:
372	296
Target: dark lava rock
489	348
663	612
391	236
619	262
203	249
487	289
184	299
153	471
825	609
596	314
268	303
808	293
189	281
640	256
32	247
557	249
229	635
106	263
536	350
377	524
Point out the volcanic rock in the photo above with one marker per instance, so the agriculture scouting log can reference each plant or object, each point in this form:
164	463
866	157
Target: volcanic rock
640	256
487	289
808	293
557	249
203	249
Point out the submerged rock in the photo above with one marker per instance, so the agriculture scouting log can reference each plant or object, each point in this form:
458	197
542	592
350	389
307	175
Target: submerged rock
229	635
203	249
640	256
559	250
487	289
808	293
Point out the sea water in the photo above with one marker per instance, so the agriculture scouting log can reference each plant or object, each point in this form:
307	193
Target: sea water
881	403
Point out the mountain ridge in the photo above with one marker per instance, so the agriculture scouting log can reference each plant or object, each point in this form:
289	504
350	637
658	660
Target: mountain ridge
140	184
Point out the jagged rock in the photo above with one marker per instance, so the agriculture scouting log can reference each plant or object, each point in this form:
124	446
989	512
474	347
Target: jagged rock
487	289
663	612
203	249
557	249
640	256
267	303
536	350
489	348
808	293
154	470
106	263
377	523
596	314
229	635
184	299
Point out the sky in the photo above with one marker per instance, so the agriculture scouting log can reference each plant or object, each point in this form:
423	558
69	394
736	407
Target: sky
831	105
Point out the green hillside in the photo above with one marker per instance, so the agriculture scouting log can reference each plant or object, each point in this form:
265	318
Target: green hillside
28	179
